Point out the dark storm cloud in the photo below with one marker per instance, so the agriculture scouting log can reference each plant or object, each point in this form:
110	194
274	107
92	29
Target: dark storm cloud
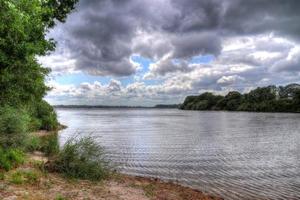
194	44
102	35
258	16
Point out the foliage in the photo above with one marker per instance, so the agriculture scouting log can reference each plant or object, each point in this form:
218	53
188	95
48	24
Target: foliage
23	28
10	158
49	144
60	197
33	143
47	116
13	127
205	101
24	176
82	158
262	99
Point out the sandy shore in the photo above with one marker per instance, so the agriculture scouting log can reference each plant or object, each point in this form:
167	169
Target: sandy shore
52	186
35	184
32	183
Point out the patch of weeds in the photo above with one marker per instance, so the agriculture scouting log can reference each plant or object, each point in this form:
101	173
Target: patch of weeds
11	158
149	189
32	177
2	176
39	165
82	158
50	144
60	197
24	176
17	178
117	177
33	143
48	184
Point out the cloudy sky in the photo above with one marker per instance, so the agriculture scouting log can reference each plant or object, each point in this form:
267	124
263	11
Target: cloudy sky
146	52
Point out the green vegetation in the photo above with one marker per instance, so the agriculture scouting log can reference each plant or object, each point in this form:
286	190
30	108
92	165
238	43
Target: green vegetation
60	197
262	99
13	127
11	158
149	190
47	144
23	38
23	28
24	176
50	145
82	158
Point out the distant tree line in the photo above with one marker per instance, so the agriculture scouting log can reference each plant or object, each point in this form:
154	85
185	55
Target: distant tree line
261	99
166	106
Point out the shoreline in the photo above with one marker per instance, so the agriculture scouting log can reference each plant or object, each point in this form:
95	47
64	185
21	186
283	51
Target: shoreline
119	187
49	185
37	184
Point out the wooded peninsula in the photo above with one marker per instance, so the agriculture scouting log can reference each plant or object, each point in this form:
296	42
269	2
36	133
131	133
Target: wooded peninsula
262	99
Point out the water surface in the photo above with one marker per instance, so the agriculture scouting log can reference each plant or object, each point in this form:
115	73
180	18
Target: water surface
236	155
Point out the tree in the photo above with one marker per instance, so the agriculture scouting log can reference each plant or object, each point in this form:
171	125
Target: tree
231	101
262	99
23	28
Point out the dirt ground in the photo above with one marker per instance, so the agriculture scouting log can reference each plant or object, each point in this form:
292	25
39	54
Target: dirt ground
35	184
31	182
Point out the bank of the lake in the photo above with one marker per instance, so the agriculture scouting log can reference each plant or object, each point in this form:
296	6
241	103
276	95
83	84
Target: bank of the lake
32	181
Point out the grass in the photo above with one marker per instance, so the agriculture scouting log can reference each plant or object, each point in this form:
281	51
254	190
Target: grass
24	176
60	197
2	176
47	144
11	158
33	143
149	190
13	127
82	158
50	144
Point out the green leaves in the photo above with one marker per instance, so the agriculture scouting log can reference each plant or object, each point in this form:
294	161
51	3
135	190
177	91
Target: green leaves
23	28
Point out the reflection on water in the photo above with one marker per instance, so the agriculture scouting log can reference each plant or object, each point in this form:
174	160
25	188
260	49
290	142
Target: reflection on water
236	155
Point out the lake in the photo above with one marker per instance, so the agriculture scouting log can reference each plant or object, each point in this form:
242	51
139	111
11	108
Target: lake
236	155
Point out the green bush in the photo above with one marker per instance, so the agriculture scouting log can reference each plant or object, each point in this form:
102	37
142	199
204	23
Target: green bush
13	127
47	144
82	158
10	158
35	123
47	116
33	143
50	144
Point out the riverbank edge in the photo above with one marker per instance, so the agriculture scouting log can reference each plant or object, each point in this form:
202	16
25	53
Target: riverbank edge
117	186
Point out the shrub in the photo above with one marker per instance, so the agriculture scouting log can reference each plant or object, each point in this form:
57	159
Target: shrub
82	158
33	143
13	127
35	123
47	116
50	144
10	158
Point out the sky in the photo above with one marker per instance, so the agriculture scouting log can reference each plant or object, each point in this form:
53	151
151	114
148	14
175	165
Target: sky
142	52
